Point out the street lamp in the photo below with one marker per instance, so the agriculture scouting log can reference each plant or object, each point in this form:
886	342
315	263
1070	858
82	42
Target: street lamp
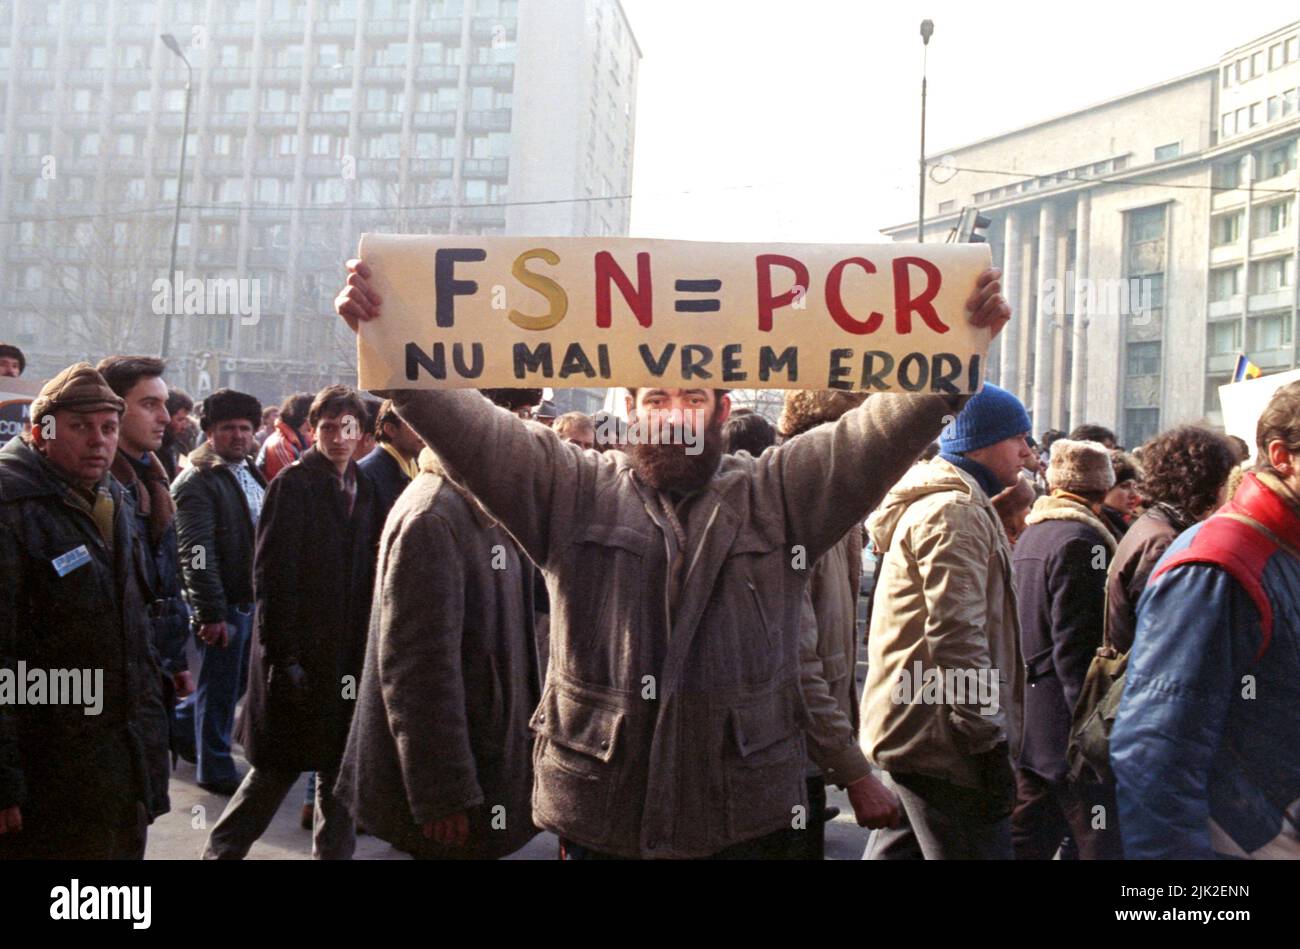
170	42
927	30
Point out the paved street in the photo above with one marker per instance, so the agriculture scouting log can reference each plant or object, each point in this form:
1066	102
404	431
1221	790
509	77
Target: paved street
179	835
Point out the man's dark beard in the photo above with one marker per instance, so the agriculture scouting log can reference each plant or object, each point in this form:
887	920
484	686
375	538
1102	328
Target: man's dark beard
670	468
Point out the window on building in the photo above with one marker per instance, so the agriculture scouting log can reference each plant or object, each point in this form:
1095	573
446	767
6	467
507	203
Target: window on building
1274	108
217	332
1226	228
1269	276
1275	56
1256	114
1228	125
1290	101
1278	160
945	207
1257	63
391	54
1225	283
1144	358
1140	425
126	144
268	334
1212	384
1166	152
1226	175
1224	337
1293	49
1274	217
1269	332
426	145
1148	224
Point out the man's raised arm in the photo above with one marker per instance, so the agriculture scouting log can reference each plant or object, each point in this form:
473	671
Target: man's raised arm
527	478
834	475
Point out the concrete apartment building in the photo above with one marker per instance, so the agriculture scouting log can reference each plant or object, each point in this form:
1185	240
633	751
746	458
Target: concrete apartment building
1184	193
311	122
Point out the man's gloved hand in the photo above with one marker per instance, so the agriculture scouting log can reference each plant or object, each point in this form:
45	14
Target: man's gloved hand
998	779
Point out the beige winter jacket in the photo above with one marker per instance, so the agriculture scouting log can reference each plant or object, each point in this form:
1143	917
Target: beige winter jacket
945	611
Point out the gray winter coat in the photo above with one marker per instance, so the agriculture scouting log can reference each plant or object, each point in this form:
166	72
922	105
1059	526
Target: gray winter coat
672	729
450	680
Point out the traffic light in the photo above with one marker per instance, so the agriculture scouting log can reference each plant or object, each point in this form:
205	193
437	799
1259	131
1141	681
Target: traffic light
971	227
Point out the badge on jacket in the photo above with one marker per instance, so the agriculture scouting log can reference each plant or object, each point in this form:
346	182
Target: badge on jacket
64	564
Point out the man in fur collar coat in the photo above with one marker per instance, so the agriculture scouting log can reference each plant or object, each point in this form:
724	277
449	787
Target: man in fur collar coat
1060	568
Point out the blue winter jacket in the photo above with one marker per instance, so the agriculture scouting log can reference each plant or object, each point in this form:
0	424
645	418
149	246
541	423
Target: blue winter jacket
1206	745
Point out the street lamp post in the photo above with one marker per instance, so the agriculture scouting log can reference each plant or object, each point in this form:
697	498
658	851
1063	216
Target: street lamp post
927	30
170	42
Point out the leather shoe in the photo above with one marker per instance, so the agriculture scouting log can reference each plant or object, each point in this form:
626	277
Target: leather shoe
223	788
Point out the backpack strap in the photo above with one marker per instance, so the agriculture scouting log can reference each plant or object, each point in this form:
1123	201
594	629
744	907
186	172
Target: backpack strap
1241	545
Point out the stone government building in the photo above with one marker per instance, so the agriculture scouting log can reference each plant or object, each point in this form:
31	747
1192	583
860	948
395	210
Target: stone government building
1187	189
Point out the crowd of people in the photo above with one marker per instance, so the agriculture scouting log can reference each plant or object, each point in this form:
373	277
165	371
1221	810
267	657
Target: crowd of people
470	620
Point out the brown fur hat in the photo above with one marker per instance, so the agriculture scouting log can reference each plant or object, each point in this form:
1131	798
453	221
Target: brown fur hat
807	408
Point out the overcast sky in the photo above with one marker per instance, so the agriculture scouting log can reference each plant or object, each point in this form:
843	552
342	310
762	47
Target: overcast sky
799	121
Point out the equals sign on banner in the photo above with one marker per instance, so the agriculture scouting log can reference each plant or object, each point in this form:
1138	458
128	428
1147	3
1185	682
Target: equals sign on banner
698	286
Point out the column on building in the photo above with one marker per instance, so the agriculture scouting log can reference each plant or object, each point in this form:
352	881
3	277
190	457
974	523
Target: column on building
1047	262
1082	273
1013	257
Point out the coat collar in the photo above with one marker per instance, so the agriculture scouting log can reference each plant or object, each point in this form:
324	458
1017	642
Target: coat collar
152	497
23	473
1258	498
1063	506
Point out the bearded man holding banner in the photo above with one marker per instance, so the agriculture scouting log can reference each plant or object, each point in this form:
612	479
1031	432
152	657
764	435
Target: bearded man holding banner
671	723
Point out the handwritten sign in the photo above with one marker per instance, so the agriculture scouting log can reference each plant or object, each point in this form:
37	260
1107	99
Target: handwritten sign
564	312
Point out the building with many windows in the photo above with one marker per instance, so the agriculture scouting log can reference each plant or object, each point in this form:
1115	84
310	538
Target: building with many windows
1145	242
311	122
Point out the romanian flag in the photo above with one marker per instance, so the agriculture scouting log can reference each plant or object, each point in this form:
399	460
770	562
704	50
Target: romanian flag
1245	369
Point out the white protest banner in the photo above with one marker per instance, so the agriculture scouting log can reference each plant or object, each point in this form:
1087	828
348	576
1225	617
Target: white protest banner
461	311
1244	402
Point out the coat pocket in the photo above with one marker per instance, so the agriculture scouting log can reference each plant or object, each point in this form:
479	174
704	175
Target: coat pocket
610	559
575	769
764	767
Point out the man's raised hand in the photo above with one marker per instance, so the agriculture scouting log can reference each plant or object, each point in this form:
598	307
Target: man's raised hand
357	301
986	304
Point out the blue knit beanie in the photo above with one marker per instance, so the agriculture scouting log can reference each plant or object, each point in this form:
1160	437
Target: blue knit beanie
991	415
